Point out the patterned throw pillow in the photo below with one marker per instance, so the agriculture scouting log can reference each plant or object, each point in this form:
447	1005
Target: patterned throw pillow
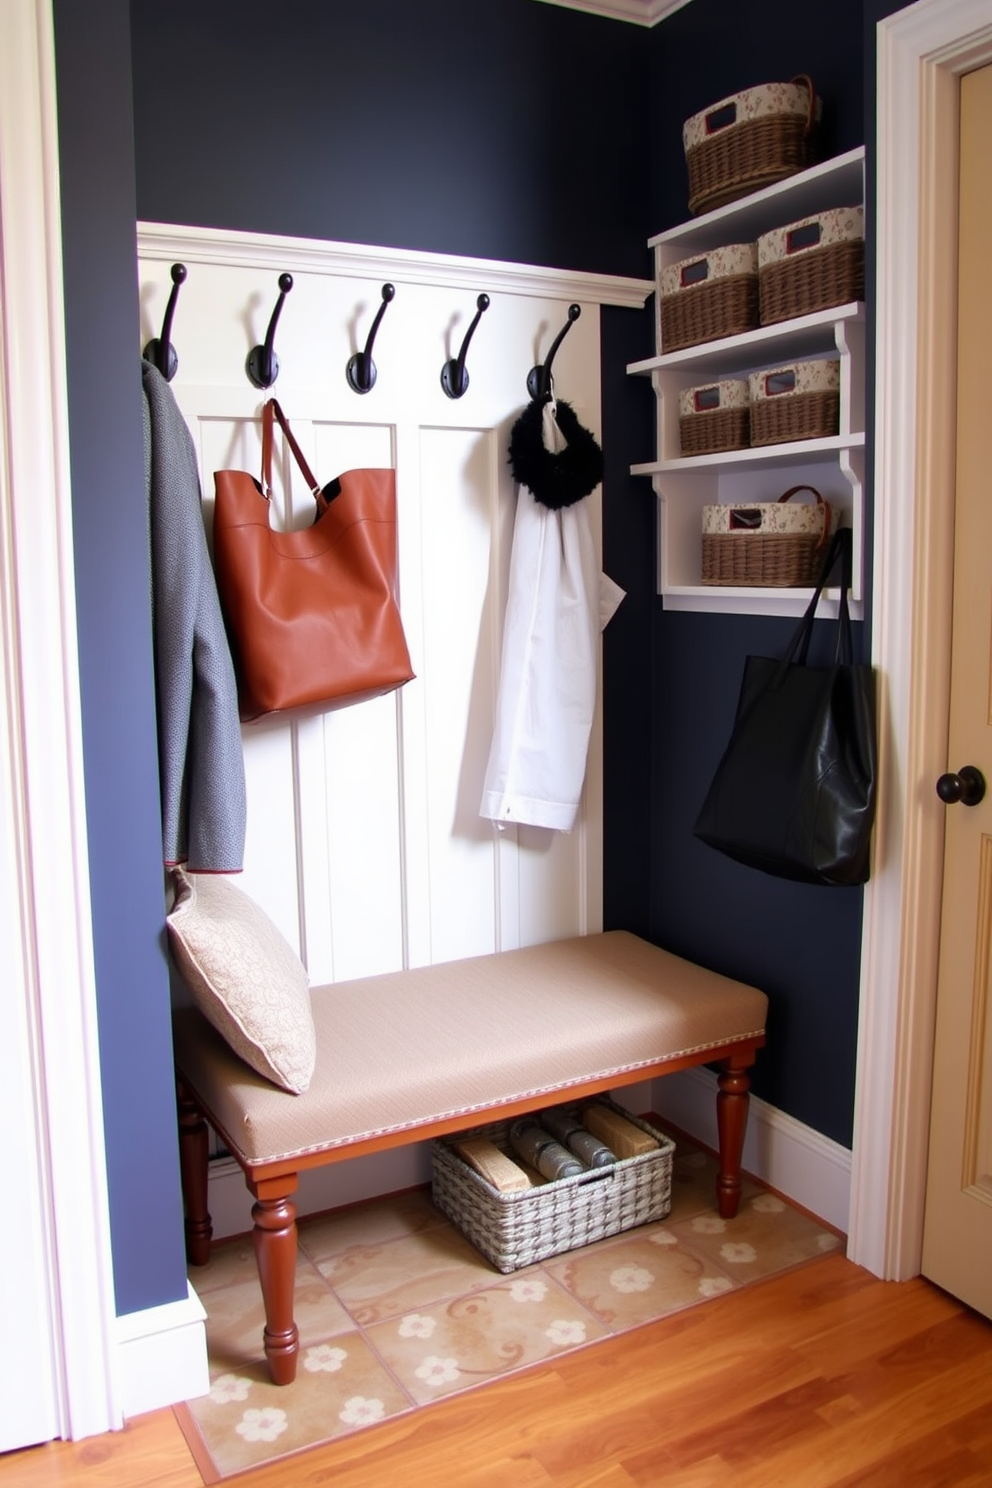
244	976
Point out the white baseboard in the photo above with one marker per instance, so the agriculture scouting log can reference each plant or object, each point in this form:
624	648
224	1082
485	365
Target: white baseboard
792	1158
162	1356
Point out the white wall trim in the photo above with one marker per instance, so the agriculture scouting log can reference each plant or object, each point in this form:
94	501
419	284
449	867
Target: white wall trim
792	1158
39	639
232	249
898	985
162	1355
641	12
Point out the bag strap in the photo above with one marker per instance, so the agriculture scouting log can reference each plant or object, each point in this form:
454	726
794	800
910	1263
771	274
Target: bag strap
823	504
798	648
270	408
807	82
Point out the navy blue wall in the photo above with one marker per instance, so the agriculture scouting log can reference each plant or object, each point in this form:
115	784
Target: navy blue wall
496	129
115	657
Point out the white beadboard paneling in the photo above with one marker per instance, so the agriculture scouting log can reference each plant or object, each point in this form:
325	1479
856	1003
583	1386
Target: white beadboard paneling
458	471
312	786
365	842
271	871
364	828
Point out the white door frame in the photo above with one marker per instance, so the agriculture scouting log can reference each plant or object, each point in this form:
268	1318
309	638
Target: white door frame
41	773
922	52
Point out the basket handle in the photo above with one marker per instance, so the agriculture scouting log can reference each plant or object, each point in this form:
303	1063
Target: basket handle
807	82
827	510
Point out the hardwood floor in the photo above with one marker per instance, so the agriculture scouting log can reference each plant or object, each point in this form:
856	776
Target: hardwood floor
821	1378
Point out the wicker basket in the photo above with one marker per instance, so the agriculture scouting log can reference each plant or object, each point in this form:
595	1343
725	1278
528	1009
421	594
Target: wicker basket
812	264
713	418
709	296
801	401
766	544
517	1229
749	140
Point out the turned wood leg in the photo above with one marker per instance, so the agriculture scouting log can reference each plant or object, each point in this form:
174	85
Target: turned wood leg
275	1254
731	1121
193	1176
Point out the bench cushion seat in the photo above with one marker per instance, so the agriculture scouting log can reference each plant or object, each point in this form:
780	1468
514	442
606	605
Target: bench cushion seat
413	1048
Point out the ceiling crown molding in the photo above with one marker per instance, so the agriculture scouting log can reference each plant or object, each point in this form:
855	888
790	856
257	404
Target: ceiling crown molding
640	12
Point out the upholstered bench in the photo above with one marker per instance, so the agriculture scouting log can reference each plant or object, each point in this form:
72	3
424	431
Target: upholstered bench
439	1049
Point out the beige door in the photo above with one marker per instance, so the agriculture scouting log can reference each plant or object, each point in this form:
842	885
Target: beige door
957	1247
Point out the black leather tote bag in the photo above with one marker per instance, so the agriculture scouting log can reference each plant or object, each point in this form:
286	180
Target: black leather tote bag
794	793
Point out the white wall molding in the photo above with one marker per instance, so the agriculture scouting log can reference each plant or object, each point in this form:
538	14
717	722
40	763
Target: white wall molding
792	1158
920	50
44	772
162	1355
641	12
231	249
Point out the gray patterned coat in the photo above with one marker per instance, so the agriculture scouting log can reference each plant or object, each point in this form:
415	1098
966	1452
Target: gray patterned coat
201	765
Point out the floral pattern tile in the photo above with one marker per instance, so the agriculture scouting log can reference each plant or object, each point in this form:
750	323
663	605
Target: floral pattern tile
235	1316
400	1276
767	1236
231	1261
465	1342
366	1224
340	1386
694	1183
396	1309
633	1280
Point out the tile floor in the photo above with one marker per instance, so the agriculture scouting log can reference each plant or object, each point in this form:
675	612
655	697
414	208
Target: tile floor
396	1309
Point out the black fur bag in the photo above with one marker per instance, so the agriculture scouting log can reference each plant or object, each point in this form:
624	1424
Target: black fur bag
554	479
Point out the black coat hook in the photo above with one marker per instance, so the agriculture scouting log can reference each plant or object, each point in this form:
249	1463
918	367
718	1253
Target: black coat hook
160	350
262	365
360	370
539	377
454	377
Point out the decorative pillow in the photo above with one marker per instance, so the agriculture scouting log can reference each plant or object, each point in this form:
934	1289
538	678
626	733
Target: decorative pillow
244	976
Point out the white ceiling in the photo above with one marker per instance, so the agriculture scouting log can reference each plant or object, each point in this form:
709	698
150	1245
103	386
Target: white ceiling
640	12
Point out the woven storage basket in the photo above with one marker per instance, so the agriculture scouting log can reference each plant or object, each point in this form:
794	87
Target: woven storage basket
766	544
517	1229
812	264
711	295
749	140
797	402
714	418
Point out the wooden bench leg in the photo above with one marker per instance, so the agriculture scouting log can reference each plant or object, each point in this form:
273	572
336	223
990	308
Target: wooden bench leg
193	1176
731	1120
274	1236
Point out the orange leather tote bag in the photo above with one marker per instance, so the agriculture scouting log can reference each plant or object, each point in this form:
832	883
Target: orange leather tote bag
312	614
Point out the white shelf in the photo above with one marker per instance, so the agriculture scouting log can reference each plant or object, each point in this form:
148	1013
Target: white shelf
805	452
719	599
834	183
834	466
790	340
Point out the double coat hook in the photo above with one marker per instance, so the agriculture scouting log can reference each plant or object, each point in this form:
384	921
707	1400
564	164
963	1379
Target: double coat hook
360	370
454	374
160	350
262	365
539	377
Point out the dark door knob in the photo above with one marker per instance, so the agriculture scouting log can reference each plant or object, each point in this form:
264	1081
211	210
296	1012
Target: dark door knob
967	786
